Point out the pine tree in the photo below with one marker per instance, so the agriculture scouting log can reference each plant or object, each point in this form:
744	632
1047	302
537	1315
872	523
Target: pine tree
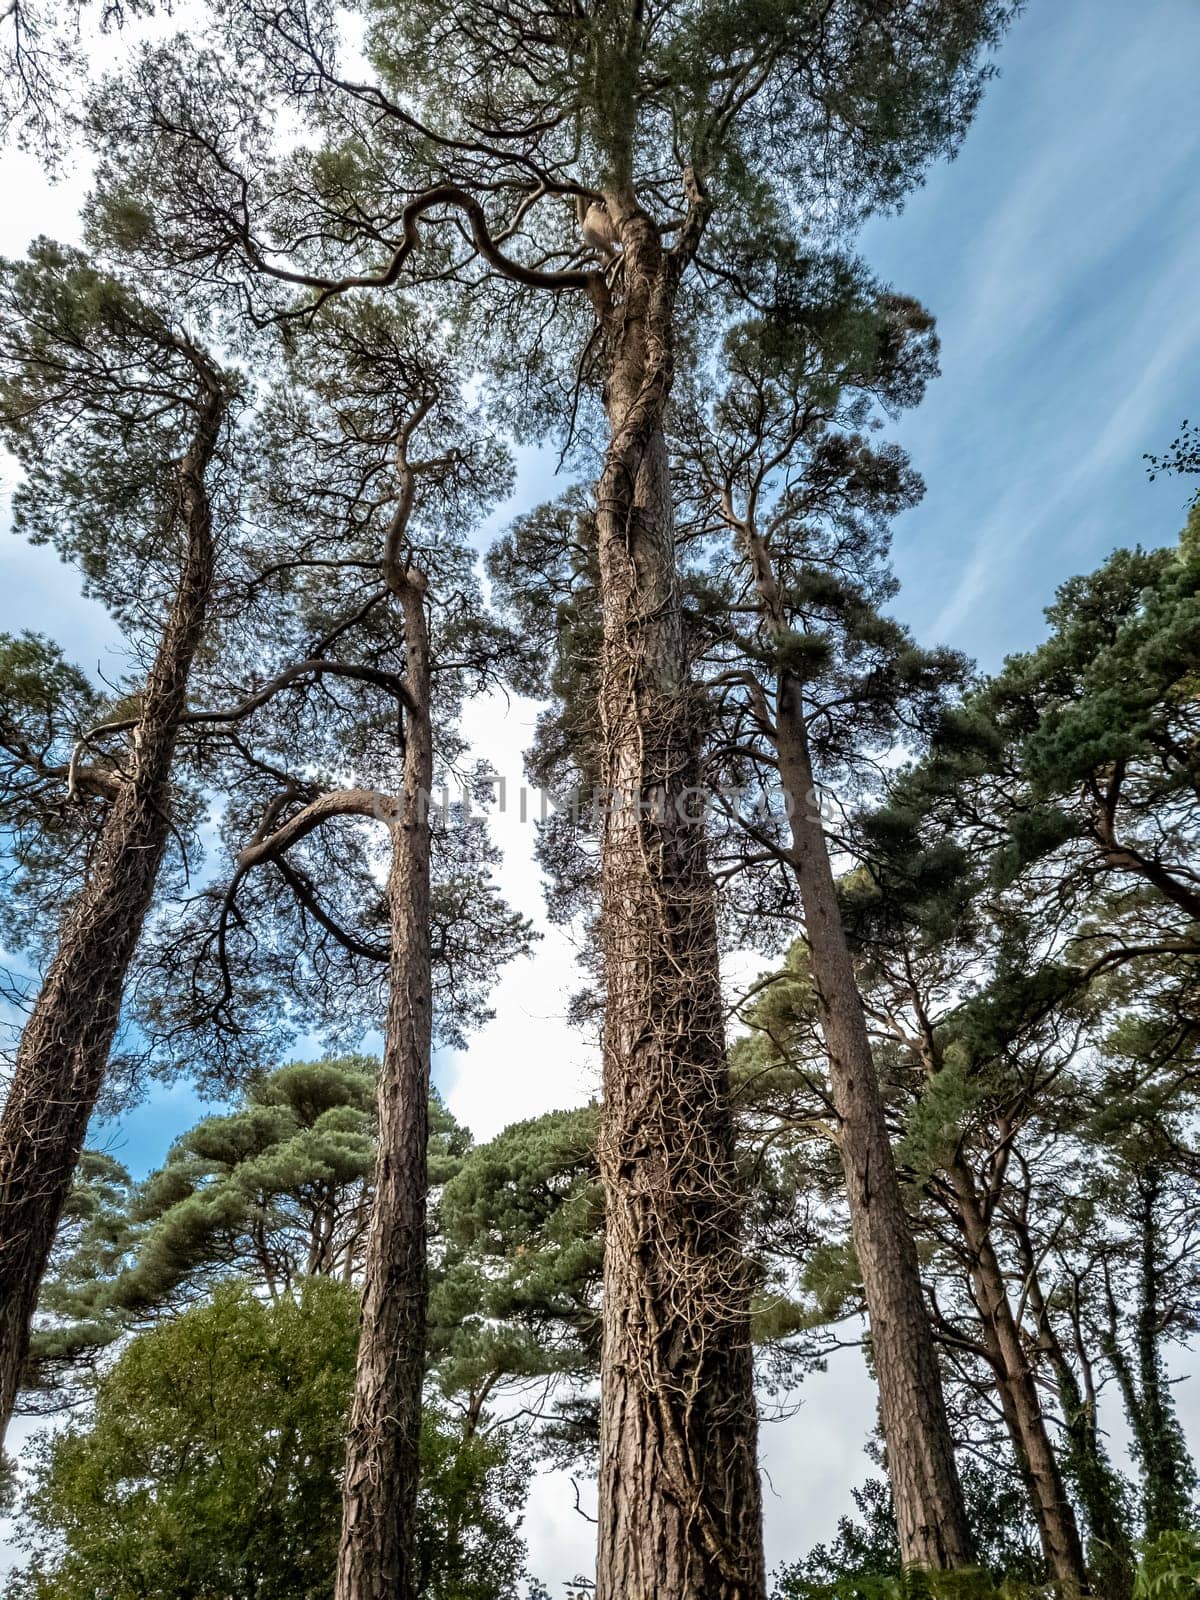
119	418
345	494
694	143
1079	757
783	613
811	682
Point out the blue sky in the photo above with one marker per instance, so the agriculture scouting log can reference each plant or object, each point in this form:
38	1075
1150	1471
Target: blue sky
1060	254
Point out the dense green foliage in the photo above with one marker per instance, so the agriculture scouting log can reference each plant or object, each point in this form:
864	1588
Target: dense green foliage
211	1464
1170	1569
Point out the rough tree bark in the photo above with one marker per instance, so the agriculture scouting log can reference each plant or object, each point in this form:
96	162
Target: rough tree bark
1021	1403
65	1044
680	1511
376	1556
930	1514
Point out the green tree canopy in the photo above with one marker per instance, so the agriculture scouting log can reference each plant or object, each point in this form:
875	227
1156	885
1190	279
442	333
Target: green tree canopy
1081	757
273	1191
211	1466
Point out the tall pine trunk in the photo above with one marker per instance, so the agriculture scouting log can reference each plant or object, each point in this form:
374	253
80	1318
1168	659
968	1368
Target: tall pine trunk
1022	1406
377	1552
65	1045
680	1507
930	1514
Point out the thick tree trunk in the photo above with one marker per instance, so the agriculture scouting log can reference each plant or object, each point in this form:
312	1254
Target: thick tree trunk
65	1044
377	1553
1057	1528
680	1509
930	1513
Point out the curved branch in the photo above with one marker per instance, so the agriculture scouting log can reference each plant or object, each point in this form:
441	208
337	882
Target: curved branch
446	194
337	803
314	667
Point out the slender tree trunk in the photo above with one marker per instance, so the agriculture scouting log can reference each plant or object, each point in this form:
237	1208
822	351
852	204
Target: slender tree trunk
1058	1530
680	1508
1110	1553
930	1513
926	1492
1168	1471
1012	1419
377	1553
64	1048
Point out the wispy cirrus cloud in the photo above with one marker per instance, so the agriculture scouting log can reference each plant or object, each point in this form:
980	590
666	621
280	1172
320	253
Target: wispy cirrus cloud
1059	254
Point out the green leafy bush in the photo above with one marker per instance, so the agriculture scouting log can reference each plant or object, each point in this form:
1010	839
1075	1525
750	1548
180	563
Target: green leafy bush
1170	1568
211	1465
